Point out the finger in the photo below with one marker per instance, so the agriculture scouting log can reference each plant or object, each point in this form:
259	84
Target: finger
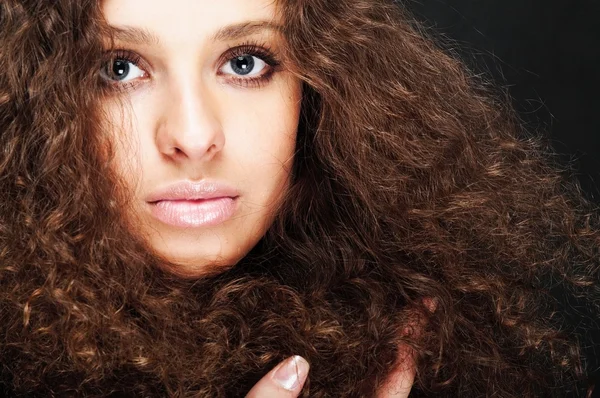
431	303
400	381
285	380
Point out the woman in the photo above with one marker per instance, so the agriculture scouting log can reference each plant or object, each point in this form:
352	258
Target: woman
194	192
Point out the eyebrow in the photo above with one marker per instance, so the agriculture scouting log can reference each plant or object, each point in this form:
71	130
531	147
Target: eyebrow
142	36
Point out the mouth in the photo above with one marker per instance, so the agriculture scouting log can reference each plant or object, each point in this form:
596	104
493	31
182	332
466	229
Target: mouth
194	213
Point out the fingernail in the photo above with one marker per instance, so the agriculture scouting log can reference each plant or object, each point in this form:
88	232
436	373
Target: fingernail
292	373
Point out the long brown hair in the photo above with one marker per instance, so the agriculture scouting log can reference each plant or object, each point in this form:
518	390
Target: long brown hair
412	181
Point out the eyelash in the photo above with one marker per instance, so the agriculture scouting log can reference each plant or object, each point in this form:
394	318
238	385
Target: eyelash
261	51
127	56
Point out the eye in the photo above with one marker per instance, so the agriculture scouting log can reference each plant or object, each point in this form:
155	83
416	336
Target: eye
245	65
121	70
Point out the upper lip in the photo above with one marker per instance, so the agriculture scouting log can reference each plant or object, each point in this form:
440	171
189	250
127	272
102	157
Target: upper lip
189	190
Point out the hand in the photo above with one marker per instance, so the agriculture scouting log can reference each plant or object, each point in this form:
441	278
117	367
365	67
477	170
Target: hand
400	381
284	381
287	379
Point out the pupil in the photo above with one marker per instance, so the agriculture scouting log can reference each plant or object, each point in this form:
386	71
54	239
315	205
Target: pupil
243	65
120	69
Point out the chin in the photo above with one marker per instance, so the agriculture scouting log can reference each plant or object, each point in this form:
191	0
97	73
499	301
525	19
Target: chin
193	254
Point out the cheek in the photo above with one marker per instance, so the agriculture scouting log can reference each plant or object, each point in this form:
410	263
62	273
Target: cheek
126	148
271	128
262	143
129	146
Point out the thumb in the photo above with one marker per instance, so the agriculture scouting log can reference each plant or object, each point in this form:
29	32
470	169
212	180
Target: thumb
285	380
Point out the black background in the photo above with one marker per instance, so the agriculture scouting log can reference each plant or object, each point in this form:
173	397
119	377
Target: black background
547	54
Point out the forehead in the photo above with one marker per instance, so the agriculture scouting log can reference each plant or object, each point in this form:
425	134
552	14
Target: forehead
183	20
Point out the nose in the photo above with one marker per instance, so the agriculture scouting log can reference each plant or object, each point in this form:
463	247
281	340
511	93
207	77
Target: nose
190	127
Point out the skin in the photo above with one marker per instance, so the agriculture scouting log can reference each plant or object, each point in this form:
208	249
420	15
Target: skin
292	372
181	112
190	117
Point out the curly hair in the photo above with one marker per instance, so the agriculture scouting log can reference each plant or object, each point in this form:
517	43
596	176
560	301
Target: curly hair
412	180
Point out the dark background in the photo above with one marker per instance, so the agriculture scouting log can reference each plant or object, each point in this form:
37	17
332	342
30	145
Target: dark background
546	53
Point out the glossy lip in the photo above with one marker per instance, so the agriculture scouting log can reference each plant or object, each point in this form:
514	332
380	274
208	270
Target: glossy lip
193	204
188	190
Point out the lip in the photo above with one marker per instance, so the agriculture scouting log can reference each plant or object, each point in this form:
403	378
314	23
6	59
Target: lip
188	190
193	204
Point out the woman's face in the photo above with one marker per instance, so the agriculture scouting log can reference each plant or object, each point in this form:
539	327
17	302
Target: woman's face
207	139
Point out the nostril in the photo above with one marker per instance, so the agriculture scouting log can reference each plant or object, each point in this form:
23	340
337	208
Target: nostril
211	149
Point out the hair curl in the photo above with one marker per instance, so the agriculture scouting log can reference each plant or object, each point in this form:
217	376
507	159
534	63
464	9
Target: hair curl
412	181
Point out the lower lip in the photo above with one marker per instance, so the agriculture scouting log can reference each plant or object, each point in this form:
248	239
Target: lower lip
194	213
